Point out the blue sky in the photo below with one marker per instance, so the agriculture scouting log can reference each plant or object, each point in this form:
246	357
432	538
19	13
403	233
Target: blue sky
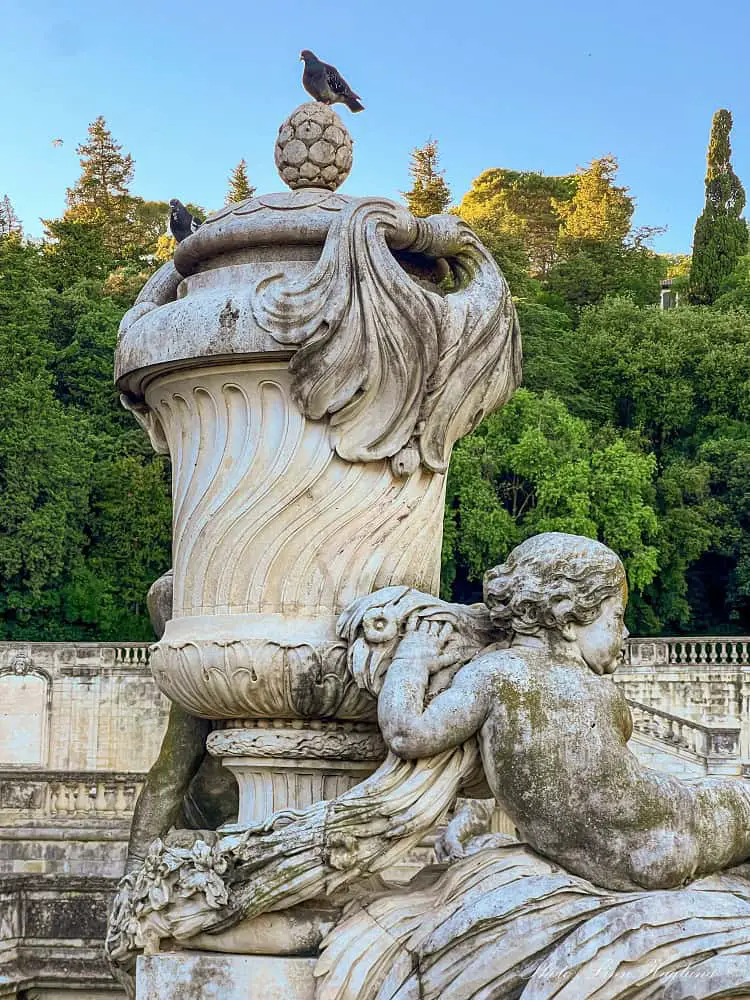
189	88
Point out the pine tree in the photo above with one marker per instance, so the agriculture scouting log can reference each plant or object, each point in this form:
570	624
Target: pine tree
10	224
599	210
429	194
105	171
721	235
240	188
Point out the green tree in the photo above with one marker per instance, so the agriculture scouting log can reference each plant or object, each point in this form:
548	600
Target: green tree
9	221
429	193
676	381
101	195
721	236
106	173
45	456
534	467
522	205
735	289
599	209
592	270
240	188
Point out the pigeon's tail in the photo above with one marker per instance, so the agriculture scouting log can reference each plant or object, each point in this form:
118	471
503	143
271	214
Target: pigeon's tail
354	104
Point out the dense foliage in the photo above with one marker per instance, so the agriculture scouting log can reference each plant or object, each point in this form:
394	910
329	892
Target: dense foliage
632	425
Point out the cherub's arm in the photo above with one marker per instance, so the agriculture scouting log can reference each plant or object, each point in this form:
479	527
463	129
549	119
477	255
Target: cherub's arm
410	729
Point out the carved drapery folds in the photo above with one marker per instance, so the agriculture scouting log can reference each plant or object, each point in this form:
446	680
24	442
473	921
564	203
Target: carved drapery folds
385	358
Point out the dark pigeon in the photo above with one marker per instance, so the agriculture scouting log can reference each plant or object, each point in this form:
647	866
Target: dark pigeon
325	83
181	223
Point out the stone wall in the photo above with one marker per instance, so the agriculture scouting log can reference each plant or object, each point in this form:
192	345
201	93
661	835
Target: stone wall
80	724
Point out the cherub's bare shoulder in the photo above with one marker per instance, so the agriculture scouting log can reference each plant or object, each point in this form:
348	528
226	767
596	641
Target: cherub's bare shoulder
495	663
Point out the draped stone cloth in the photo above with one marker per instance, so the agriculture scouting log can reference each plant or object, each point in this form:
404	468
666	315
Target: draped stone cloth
506	923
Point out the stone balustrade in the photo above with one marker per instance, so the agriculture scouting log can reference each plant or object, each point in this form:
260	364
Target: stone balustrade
56	795
715	744
689	651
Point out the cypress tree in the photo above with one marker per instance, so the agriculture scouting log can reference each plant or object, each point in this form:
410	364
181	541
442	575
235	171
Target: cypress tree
240	188
721	235
429	194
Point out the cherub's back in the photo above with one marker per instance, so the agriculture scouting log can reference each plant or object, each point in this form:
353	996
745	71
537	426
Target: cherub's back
555	729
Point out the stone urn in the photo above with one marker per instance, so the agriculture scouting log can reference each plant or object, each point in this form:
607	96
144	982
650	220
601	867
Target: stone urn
307	362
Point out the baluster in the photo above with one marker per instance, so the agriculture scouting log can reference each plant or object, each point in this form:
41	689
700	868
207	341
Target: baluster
91	793
120	803
51	798
723	652
63	801
81	797
110	794
744	648
100	805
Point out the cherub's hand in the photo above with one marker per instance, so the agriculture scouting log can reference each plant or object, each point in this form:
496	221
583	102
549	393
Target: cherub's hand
433	644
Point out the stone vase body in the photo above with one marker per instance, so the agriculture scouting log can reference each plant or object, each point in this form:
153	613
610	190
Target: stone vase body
290	363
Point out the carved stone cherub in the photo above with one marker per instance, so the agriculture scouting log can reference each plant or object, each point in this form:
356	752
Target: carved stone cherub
553	729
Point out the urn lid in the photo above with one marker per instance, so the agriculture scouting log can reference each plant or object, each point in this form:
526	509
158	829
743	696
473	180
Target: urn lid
313	154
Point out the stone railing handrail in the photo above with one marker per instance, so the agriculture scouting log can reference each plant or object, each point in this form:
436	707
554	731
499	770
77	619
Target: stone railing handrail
702	650
718	726
118	653
35	795
715	744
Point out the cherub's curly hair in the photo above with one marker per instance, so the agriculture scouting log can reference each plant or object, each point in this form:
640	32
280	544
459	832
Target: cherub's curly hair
550	580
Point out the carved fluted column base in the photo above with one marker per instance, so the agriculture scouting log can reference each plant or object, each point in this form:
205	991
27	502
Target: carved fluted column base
292	768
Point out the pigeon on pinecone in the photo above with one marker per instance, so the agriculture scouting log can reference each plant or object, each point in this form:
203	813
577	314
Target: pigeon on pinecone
325	83
180	223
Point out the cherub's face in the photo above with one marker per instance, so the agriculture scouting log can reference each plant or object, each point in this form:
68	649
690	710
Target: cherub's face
601	643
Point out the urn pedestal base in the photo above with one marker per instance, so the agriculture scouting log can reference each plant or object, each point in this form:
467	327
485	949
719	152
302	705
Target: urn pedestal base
293	768
195	975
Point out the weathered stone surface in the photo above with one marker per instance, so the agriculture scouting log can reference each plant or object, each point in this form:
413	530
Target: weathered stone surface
309	380
314	137
197	976
93	695
51	931
356	449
